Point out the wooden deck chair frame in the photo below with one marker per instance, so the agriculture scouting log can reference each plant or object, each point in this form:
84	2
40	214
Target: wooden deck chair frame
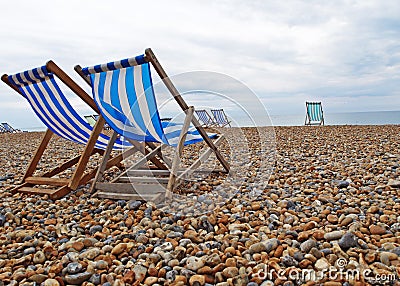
122	186
222	112
308	120
64	186
210	121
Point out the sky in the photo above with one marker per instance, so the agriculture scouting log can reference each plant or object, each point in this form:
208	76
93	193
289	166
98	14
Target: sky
343	53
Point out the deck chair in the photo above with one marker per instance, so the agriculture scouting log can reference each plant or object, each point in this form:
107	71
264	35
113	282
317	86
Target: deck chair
220	117
2	129
91	120
40	88
314	114
123	91
8	128
204	117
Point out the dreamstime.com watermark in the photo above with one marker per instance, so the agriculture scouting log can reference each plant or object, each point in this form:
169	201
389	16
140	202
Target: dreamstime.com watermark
332	273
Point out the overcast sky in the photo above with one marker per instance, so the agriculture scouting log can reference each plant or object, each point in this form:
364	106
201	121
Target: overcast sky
344	53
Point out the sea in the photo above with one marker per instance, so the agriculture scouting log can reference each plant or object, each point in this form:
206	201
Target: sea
345	118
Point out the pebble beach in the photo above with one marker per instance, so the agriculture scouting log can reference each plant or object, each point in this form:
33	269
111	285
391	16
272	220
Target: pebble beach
324	211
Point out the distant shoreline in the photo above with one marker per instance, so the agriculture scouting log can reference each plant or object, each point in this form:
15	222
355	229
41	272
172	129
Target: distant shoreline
331	119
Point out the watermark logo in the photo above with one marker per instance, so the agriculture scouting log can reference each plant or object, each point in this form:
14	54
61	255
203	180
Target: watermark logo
339	272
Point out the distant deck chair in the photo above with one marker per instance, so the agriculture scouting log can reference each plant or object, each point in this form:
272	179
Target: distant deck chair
2	129
8	128
123	90
314	114
204	117
220	117
91	120
40	88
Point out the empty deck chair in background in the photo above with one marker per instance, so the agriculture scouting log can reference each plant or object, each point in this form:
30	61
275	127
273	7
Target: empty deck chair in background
124	92
8	128
41	90
91	120
314	114
204	117
220	117
2	129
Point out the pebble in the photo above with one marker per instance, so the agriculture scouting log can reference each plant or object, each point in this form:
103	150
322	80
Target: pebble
307	245
266	246
377	230
39	257
140	272
38	278
322	264
230	272
289	261
51	282
197	280
29	250
119	248
333	235
386	257
194	263
343	184
78	278
90	254
74	267
394	183
347	241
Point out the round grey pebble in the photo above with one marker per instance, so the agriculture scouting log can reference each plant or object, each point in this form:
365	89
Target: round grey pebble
74	267
347	241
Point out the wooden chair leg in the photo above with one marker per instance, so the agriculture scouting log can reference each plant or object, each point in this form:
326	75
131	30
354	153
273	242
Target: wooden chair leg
179	148
80	168
38	154
102	167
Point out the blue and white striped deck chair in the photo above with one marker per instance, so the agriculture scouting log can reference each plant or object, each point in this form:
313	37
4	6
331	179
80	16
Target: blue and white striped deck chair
314	114
220	117
123	91
2	129
204	117
40	88
9	128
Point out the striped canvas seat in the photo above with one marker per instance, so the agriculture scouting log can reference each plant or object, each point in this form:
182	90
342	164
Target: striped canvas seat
2	129
123	92
314	114
220	117
49	103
